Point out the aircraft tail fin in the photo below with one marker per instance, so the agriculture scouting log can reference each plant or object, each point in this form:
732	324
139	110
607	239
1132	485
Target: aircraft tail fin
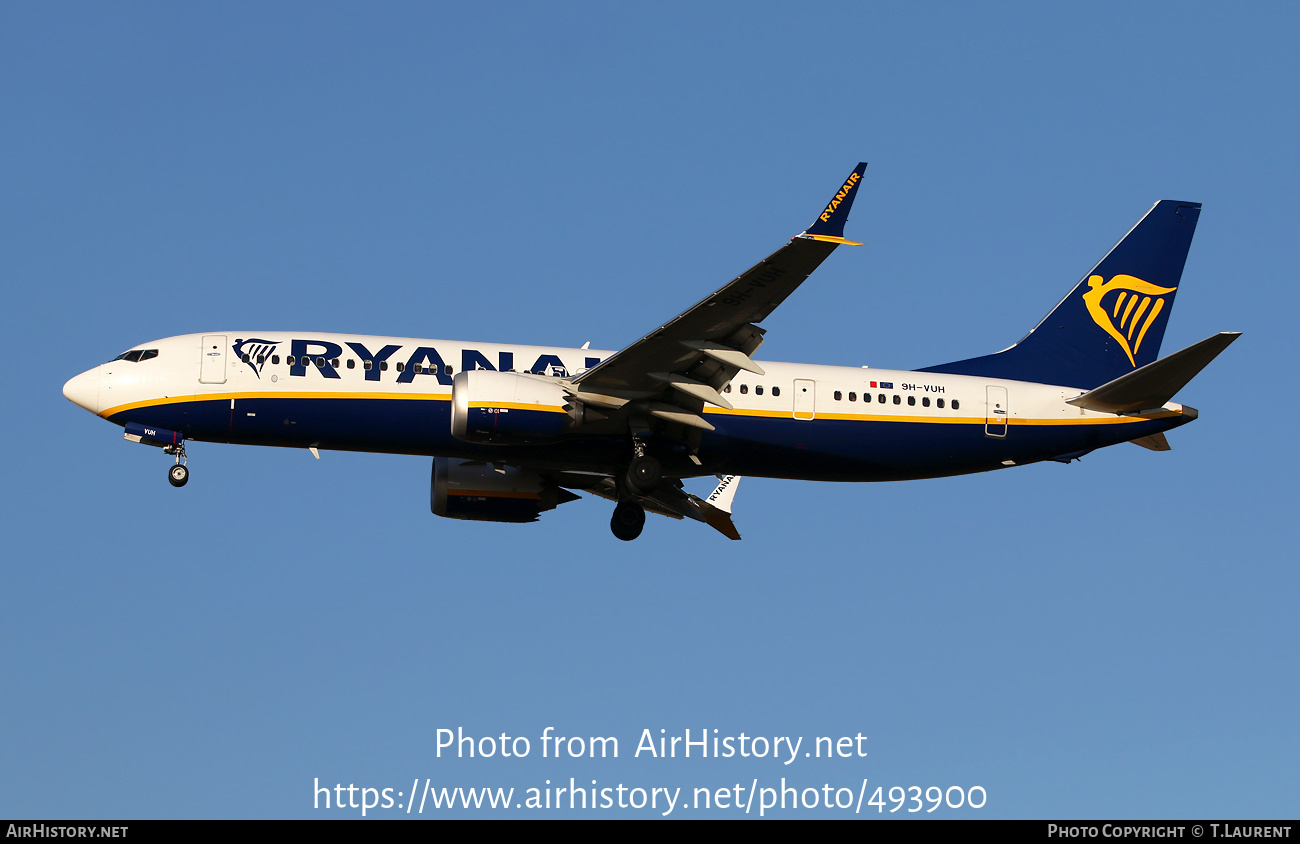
1112	322
1149	387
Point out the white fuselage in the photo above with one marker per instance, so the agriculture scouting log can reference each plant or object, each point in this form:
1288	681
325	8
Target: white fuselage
367	393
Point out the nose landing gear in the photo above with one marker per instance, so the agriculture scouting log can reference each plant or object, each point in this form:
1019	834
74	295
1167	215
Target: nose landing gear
179	474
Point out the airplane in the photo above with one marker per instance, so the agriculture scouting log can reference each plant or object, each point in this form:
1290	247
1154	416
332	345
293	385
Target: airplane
514	430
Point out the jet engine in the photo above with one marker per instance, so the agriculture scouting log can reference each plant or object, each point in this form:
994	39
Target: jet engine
482	492
507	408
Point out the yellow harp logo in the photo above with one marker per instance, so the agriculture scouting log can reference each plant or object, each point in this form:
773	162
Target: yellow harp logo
1137	299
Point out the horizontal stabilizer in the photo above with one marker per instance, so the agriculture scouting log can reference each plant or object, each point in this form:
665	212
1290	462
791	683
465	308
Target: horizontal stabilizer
1150	386
1155	442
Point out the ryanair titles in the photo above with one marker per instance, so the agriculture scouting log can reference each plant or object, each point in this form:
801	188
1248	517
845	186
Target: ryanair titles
394	362
840	196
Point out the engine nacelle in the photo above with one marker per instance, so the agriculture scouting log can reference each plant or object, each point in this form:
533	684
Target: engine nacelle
507	408
466	489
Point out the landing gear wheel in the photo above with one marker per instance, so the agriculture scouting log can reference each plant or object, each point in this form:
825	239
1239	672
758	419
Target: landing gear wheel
178	475
628	521
644	475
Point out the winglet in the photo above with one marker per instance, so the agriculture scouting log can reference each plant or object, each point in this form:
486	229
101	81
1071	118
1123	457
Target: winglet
725	493
717	508
829	225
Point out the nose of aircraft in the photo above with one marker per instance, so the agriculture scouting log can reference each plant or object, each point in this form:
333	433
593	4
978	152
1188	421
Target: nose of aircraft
83	390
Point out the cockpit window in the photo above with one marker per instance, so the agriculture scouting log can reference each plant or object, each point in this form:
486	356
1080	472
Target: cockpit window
137	355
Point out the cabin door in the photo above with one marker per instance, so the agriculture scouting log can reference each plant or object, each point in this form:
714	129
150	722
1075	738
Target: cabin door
996	411
805	395
212	357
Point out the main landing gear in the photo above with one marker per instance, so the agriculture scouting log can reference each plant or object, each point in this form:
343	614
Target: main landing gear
642	476
628	520
179	474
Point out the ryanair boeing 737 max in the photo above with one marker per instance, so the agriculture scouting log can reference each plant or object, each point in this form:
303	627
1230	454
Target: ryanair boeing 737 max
513	429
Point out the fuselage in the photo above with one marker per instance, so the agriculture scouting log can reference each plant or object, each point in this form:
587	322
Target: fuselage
394	395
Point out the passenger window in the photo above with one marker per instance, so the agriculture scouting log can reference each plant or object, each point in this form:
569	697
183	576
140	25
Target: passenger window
399	366
838	395
383	366
289	360
275	360
898	399
925	402
446	370
939	402
726	389
335	363
776	391
320	362
245	358
866	397
758	391
955	405
853	396
367	364
911	401
352	364
881	398
744	388
261	359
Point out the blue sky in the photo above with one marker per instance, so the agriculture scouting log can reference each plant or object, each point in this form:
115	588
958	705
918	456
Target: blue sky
1115	637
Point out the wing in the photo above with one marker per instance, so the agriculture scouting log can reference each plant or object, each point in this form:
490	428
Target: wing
674	370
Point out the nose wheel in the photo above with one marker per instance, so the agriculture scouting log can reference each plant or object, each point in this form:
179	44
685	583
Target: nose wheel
178	475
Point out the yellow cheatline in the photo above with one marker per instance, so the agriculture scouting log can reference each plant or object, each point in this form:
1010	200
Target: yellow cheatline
716	411
511	405
285	395
942	420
